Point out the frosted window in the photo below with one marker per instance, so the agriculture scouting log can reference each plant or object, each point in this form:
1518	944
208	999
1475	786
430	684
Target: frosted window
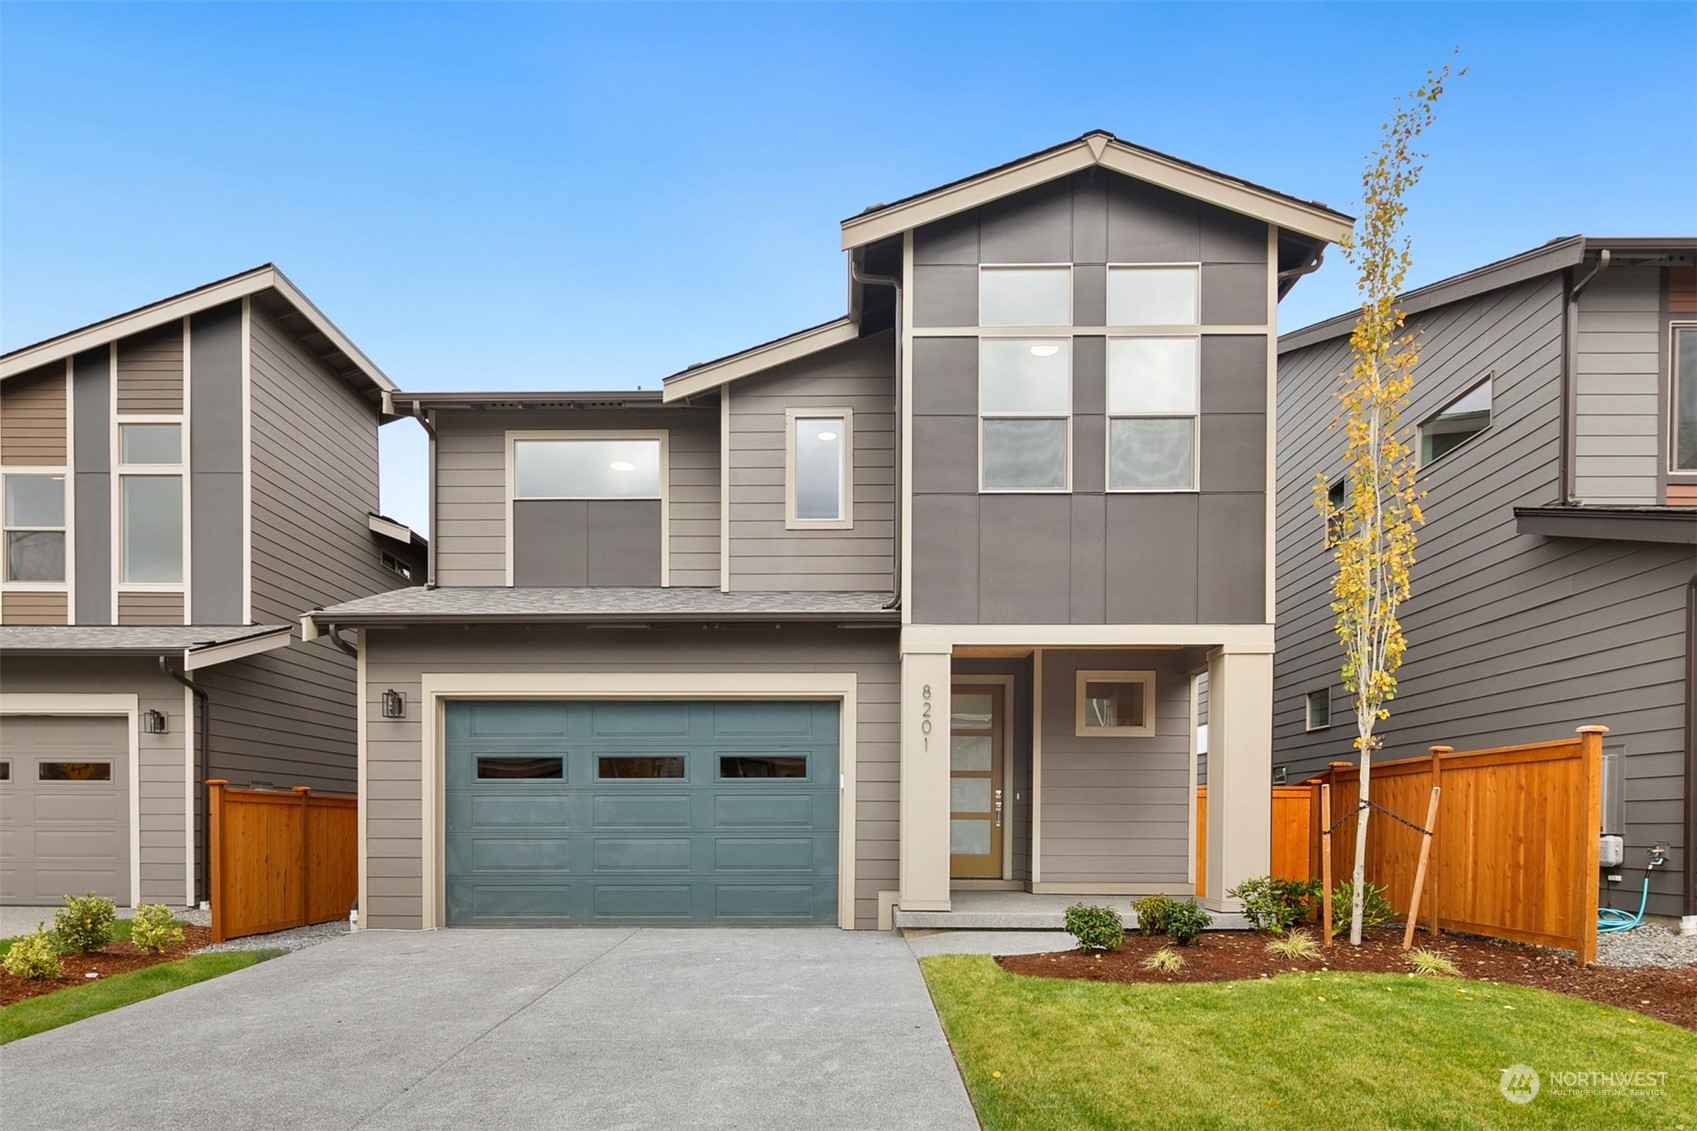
819	470
1025	455
150	443
1152	296
586	469
1025	375
1151	453
969	795
969	752
1025	296
1153	375
969	837
153	529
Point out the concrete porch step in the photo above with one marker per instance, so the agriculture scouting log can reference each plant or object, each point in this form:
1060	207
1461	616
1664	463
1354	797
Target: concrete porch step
1026	911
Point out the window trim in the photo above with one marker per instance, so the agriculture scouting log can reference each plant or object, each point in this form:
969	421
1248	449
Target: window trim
1308	726
978	393
1114	328
1489	379
122	471
1331	528
661	434
1675	473
32	471
1072	290
1087	676
791	521
1109	416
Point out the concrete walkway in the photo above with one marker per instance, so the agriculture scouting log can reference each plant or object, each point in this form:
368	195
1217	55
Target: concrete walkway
609	1028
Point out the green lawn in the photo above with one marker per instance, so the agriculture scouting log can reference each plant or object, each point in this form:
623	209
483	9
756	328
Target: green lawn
1301	1050
61	1007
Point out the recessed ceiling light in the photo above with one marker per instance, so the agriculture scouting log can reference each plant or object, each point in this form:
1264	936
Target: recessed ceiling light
621	465
827	436
1045	351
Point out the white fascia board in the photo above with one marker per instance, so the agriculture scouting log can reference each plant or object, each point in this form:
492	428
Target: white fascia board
793	348
329	329
205	657
388	528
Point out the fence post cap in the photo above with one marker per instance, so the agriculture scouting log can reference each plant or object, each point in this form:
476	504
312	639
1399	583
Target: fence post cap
217	781
1441	749
1345	765
300	789
1594	728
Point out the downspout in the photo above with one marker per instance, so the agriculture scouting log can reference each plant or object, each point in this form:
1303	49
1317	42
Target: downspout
334	633
1288	278
1688	913
1570	358
203	873
427	422
895	284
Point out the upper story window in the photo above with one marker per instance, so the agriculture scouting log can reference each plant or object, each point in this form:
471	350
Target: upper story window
1025	296
821	484
1025	413
150	500
35	528
1154	389
623	468
1456	423
1683	365
1154	295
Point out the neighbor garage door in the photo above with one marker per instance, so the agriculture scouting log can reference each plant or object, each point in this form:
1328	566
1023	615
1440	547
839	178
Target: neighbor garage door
641	812
64	808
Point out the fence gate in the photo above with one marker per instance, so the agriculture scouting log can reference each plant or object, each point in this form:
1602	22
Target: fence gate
280	859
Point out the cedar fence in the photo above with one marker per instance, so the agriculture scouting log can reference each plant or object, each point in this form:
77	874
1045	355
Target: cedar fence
1296	844
280	860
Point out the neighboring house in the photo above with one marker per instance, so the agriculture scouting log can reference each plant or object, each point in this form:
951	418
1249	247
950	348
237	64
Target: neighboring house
1555	408
906	603
181	483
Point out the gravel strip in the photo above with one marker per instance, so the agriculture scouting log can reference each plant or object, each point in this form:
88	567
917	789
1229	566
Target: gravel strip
296	938
1648	945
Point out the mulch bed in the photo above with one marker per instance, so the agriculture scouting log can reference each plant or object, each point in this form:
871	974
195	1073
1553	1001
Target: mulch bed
1223	956
115	958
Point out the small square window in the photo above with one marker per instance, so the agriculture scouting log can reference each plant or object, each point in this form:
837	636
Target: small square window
150	444
1116	703
1458	422
1319	709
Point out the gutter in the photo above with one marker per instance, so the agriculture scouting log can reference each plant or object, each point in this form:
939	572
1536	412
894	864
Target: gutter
427	421
1569	476
203	873
895	284
883	616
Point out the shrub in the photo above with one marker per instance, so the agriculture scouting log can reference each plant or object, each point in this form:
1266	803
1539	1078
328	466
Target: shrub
1276	905
1095	928
1297	944
1375	908
84	923
33	956
1185	921
1166	960
1423	961
154	928
1152	912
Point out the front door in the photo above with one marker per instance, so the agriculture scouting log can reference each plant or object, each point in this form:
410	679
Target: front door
975	781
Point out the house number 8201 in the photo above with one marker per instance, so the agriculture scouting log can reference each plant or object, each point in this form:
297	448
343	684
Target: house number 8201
925	716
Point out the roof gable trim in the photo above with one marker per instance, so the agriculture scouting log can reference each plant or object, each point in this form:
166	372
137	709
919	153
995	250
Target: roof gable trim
801	344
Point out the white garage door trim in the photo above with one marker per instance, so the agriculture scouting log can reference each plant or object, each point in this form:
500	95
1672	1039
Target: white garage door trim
436	687
126	705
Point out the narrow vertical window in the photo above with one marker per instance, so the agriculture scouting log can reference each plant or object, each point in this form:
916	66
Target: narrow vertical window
1684	365
820	447
35	528
150	499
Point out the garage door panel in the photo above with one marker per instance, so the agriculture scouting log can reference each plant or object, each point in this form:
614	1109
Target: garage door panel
95	808
752	841
71	832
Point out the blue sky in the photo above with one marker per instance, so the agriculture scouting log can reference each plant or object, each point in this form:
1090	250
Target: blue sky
593	196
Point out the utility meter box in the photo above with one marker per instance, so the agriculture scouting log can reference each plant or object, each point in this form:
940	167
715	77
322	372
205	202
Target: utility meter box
1611	851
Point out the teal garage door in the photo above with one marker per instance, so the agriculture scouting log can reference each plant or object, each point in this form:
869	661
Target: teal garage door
562	813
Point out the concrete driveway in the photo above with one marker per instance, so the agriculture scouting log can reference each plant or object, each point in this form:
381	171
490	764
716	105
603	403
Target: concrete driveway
604	1028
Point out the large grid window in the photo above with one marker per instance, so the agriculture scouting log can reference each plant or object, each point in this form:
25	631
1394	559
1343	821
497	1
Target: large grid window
150	496
1153	394
1683	364
1025	413
35	528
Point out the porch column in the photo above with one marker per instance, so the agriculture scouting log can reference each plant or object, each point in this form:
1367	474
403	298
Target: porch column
924	866
1240	771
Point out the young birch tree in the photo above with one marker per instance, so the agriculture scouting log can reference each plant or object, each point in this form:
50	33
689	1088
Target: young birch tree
1372	533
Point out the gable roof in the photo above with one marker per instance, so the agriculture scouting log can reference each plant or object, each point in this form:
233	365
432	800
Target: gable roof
757	359
1098	147
339	354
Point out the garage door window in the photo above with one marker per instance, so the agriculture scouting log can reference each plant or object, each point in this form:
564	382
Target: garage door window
5	771
73	771
637	767
762	766
507	769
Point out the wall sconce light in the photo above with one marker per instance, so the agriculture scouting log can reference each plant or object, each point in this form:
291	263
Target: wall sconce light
153	722
394	704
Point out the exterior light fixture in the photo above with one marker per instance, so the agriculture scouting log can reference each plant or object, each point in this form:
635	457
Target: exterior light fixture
622	465
394	704
153	722
1045	351
827	436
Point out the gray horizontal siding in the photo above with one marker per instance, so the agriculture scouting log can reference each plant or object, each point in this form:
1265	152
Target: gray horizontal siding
471	487
763	554
1617	388
1511	638
395	766
150	371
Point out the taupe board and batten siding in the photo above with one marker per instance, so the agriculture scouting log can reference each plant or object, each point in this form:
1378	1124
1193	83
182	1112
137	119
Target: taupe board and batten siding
471	486
1511	638
1116	810
32	418
1617	443
28	607
395	761
150	372
162	783
764	555
1087	556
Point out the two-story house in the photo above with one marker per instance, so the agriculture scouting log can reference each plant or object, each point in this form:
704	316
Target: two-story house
1555	413
902	606
180	484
